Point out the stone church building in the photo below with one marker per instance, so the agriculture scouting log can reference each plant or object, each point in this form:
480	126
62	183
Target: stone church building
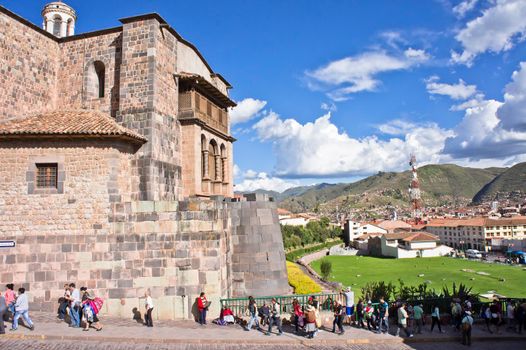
116	169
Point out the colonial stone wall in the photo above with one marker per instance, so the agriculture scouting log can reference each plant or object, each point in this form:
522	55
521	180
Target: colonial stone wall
148	105
76	55
28	80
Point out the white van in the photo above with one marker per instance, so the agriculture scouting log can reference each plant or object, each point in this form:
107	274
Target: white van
473	253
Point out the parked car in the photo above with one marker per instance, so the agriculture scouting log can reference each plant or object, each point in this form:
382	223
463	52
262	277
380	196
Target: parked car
473	254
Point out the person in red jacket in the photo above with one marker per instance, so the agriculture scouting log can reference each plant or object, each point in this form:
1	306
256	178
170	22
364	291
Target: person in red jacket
202	306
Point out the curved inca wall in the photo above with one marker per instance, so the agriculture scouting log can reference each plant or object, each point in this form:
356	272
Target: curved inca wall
258	257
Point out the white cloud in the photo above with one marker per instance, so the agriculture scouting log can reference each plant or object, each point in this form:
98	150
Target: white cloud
464	7
418	55
357	73
496	30
513	113
319	149
459	91
236	171
331	107
393	38
262	181
493	129
246	110
396	127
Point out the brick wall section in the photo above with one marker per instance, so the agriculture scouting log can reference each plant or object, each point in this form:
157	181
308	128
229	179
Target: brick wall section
28	80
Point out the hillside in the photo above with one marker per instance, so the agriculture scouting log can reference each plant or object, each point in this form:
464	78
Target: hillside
513	179
440	184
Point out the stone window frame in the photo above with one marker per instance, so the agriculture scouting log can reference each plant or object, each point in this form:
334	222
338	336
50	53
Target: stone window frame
31	175
90	64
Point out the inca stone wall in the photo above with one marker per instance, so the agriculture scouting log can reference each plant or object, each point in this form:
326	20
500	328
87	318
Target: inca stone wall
175	249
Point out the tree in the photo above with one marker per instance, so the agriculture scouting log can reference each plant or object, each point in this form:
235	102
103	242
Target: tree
326	268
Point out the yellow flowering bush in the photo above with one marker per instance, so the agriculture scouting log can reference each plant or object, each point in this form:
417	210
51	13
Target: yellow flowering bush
301	283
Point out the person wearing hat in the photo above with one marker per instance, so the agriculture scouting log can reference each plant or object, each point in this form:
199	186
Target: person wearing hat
310	320
349	303
467	323
418	315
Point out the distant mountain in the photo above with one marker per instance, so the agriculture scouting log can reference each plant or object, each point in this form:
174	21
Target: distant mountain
511	180
440	184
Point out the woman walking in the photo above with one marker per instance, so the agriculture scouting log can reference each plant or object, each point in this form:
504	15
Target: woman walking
298	314
90	309
253	311
310	315
435	319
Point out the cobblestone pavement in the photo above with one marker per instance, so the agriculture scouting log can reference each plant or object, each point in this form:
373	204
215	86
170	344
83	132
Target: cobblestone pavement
93	345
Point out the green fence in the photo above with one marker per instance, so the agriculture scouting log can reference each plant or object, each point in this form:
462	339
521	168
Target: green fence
240	305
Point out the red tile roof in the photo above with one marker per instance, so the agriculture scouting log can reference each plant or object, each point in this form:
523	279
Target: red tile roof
421	237
80	122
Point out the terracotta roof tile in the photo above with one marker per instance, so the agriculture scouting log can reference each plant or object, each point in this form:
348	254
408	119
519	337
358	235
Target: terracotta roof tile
421	237
80	122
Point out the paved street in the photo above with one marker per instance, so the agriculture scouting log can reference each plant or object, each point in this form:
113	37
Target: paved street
18	344
127	334
68	345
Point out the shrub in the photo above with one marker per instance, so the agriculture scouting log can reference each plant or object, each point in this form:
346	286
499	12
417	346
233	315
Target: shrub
326	268
301	283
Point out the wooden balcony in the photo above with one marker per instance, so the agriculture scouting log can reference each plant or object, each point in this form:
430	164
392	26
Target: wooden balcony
194	106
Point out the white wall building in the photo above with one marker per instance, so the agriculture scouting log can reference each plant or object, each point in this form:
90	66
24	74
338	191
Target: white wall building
481	233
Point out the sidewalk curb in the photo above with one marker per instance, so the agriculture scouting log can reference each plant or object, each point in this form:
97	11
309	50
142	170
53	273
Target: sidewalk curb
452	339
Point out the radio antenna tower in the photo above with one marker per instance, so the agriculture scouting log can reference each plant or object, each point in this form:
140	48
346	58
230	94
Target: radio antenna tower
414	191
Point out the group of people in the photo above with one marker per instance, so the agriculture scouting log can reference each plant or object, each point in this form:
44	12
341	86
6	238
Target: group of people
13	306
410	318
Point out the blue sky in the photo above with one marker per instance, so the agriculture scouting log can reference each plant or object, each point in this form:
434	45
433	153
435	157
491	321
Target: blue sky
332	91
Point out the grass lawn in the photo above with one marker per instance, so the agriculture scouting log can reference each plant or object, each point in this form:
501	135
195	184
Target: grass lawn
440	271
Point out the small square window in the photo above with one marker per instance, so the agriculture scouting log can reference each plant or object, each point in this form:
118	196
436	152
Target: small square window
46	175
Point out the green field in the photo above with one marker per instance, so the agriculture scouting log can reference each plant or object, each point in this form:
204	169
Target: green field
440	271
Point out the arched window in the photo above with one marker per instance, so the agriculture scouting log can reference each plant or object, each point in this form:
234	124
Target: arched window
95	80
57	25
69	27
212	152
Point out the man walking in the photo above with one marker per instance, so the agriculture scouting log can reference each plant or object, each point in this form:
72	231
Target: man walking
402	320
22	309
418	314
383	316
275	317
338	317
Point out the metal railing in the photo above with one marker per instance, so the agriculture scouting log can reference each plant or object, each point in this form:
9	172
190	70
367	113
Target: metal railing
240	305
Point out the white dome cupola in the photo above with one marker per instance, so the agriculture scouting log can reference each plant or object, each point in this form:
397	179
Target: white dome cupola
59	19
